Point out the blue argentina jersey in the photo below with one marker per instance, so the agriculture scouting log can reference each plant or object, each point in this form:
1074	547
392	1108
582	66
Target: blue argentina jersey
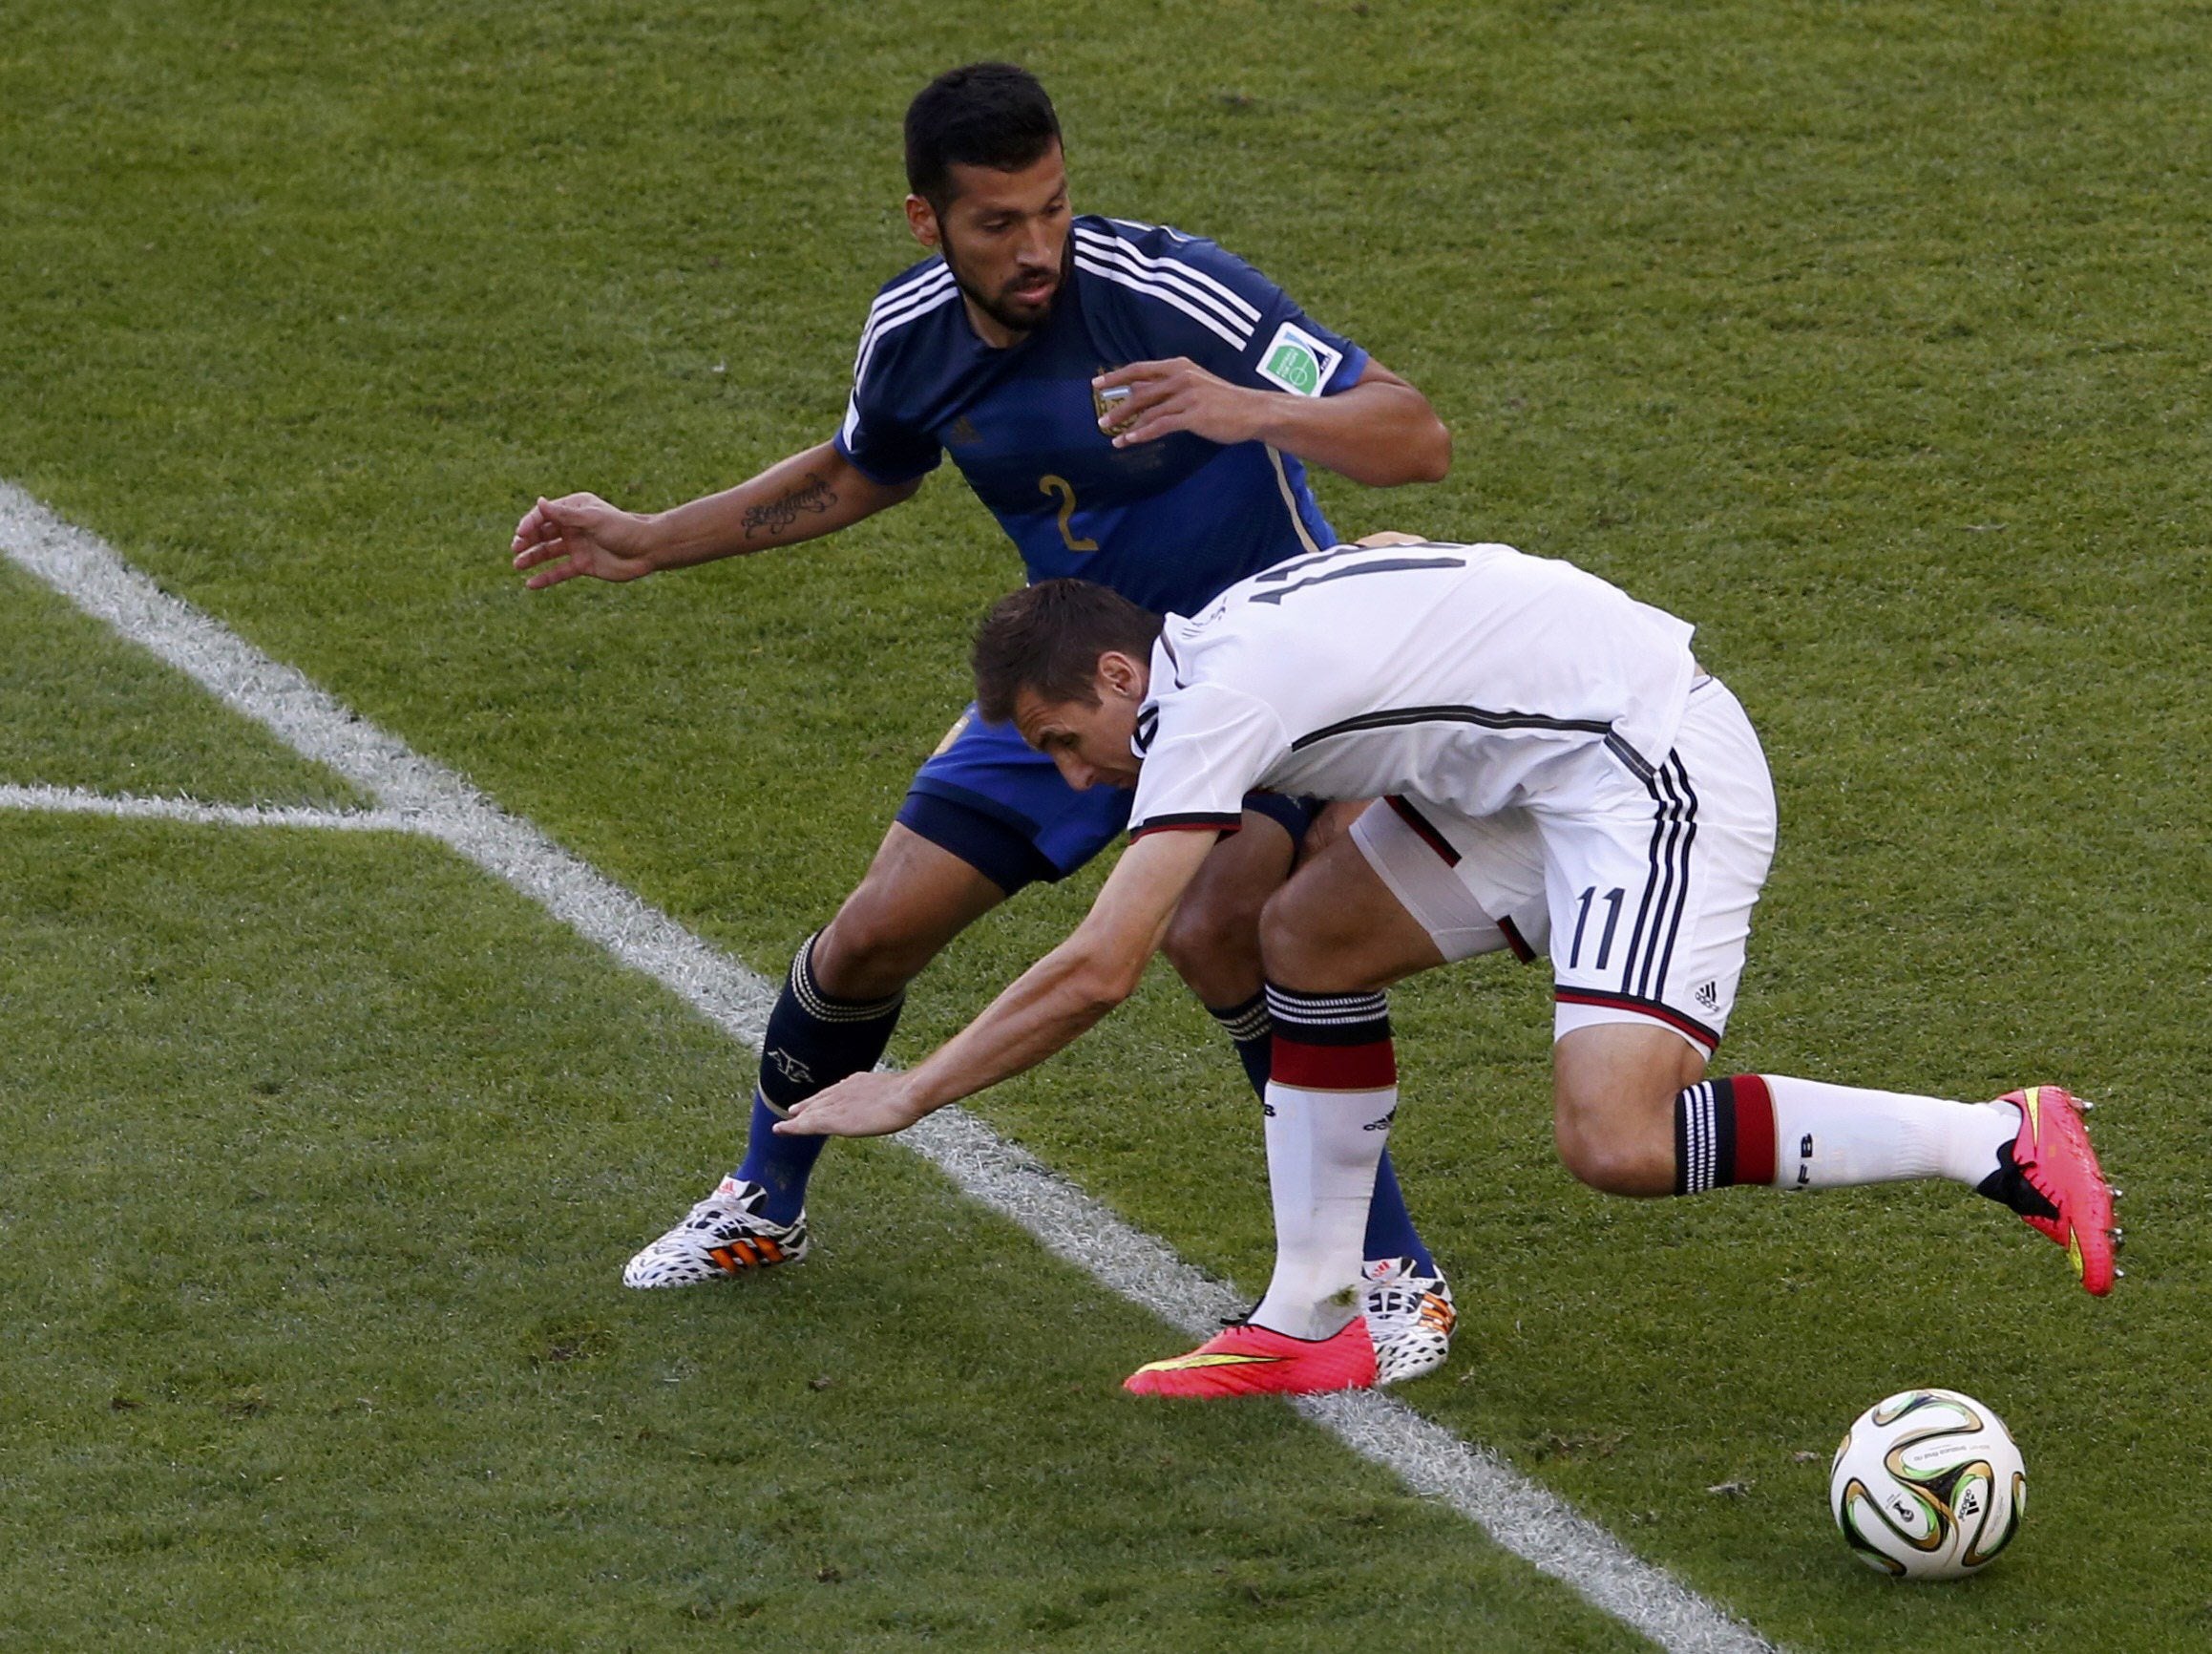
1167	523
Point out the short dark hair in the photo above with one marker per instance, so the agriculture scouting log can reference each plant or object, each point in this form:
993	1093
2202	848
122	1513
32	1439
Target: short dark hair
1048	638
993	115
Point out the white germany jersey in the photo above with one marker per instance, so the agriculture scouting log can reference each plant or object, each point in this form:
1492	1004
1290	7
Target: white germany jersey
1453	673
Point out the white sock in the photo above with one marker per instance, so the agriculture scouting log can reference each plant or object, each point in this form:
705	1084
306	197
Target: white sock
1322	1147
1829	1136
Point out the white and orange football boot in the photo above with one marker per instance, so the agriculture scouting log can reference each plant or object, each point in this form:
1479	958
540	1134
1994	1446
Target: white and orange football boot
1248	1360
1410	1316
723	1234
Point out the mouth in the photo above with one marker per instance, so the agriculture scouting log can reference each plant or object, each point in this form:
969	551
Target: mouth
1035	289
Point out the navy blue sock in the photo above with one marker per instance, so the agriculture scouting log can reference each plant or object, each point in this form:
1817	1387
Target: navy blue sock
813	1041
1390	1230
1251	1032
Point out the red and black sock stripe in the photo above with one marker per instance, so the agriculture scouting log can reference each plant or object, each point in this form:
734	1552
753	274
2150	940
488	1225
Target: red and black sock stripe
1332	1041
1723	1135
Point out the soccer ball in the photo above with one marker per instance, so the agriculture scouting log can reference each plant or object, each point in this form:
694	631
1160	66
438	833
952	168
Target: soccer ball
1927	1485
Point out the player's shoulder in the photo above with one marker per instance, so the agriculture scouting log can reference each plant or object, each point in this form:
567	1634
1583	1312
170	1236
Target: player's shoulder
1211	650
1162	277
919	281
919	291
904	310
1131	244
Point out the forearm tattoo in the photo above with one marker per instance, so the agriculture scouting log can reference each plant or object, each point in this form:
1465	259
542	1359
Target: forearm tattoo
813	497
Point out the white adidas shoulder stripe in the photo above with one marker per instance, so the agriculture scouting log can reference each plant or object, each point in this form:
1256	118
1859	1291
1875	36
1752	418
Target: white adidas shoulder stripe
1173	268
917	301
1235	338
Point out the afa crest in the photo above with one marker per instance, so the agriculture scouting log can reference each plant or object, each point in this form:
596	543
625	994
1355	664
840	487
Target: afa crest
1108	400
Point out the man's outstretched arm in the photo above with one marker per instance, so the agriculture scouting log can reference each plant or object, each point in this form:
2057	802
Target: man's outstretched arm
810	493
1380	431
1050	1007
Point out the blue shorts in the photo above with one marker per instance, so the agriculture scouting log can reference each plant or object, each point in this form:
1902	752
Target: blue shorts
996	803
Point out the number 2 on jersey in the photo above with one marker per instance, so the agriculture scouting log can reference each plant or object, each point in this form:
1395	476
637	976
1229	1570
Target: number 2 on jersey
1613	918
1064	491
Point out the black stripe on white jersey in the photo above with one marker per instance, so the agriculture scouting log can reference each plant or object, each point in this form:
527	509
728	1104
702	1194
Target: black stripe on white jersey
1386	566
1290	568
1148	727
1396	718
1635	763
1188	819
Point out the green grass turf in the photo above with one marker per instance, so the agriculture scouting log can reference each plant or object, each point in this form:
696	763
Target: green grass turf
80	708
323	1153
1872	339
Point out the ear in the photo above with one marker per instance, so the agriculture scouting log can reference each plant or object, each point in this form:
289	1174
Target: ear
922	220
1123	675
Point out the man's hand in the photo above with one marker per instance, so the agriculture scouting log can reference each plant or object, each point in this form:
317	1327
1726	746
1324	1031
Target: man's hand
579	534
1177	395
1054	1001
1379	431
859	1106
814	492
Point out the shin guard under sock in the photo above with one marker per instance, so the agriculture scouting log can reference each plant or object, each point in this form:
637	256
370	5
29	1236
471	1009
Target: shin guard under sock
813	1040
1390	1230
1812	1134
1329	1106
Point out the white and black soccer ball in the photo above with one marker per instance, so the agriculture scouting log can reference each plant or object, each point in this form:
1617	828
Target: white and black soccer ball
1927	1485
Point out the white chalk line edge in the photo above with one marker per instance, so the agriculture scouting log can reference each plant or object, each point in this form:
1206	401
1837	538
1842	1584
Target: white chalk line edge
416	794
136	806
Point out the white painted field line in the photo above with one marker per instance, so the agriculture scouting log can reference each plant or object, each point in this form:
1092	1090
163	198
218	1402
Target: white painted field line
1525	1517
134	806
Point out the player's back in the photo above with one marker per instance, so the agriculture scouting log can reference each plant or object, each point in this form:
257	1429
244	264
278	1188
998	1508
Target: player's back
1447	671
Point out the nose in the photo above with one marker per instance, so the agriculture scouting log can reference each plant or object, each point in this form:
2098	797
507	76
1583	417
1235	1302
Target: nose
1077	774
1038	250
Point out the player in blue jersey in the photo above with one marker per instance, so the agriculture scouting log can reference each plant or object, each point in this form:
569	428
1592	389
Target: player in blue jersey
1135	406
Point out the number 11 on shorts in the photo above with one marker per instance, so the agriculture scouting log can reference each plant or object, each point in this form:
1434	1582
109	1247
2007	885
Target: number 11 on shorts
1614	898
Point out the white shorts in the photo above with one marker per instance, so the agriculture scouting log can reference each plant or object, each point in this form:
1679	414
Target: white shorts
1639	886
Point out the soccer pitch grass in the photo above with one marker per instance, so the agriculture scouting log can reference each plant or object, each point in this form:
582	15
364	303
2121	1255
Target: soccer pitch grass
1872	340
298	1354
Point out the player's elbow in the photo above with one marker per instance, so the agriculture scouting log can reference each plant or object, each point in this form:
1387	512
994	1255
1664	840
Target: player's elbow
1103	994
1428	456
1415	449
1098	984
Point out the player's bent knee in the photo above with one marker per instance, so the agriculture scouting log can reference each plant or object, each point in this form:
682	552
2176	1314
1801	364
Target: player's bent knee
1293	940
1613	1097
874	948
915	898
1614	1150
1214	943
1310	942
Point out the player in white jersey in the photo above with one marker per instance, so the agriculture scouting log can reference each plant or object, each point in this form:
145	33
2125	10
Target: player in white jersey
1557	775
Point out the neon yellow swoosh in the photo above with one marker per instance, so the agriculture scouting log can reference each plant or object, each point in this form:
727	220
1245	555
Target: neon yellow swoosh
1182	1363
